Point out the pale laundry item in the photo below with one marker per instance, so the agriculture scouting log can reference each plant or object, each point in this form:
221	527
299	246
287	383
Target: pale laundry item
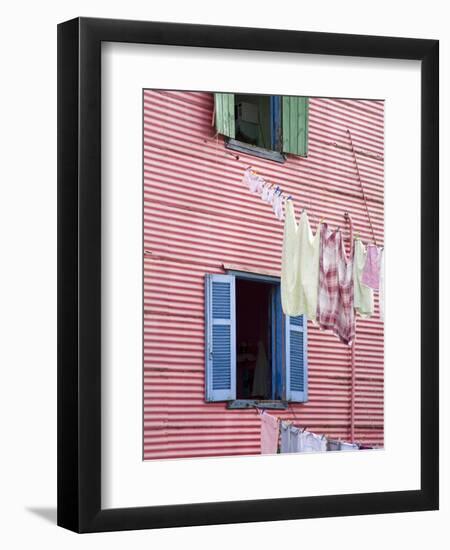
381	294
300	265
291	438
371	271
279	213
336	445
335	302
364	303
270	195
275	202
333	445
253	181
269	434
348	446
260	378
296	440
248	177
285	439
259	186
313	443
265	192
277	205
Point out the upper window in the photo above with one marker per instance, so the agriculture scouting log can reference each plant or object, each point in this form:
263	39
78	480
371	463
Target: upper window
262	125
254	353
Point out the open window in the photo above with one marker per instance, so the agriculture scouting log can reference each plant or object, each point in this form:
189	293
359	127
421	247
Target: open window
254	353
263	125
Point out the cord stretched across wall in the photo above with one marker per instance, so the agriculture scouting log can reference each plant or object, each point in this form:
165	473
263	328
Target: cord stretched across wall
362	187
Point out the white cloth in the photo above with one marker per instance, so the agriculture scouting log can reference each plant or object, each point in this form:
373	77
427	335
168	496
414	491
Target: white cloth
364	303
300	266
291	440
344	446
277	205
333	445
294	440
313	443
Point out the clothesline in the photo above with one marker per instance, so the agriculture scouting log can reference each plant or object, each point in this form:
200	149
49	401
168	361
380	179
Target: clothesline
274	195
279	435
309	282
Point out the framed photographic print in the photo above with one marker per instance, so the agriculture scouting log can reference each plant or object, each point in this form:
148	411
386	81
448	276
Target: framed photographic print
248	275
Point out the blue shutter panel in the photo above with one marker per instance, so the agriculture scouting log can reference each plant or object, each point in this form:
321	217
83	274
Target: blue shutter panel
224	114
220	338
296	383
295	125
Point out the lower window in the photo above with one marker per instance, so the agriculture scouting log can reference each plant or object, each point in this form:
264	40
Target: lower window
254	353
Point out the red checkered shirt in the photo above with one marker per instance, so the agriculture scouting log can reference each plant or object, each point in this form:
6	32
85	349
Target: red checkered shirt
336	294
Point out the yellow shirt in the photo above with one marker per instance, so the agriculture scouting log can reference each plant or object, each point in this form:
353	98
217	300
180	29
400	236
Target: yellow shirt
300	266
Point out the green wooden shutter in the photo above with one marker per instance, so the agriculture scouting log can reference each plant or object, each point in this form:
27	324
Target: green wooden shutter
224	108
295	125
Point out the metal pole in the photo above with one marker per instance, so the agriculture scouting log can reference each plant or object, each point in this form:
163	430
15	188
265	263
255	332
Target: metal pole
352	352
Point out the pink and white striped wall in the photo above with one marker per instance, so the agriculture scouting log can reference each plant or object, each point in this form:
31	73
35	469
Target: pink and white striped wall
197	217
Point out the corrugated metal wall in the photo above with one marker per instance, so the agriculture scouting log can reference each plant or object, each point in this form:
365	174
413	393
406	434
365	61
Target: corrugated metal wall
197	217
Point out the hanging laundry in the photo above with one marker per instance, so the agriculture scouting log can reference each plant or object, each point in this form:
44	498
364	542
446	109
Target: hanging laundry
273	196
336	445
371	272
300	265
253	181
260	378
335	307
296	440
333	445
313	443
291	440
269	433
285	439
270	195
381	293
364	303
344	446
265	193
277	205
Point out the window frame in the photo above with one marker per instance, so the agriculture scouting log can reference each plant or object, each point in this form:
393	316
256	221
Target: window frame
279	339
275	136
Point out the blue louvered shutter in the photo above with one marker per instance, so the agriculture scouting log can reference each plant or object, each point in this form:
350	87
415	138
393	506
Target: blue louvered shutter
296	360
224	114
220	338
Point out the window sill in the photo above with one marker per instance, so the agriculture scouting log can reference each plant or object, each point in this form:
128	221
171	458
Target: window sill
251	403
242	147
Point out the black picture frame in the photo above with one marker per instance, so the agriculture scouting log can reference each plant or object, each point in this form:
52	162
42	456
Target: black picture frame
79	274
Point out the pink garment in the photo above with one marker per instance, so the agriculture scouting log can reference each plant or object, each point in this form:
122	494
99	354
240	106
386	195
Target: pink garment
335	302
371	271
269	434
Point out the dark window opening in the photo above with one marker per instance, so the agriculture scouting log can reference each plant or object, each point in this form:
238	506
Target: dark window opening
253	340
254	115
258	126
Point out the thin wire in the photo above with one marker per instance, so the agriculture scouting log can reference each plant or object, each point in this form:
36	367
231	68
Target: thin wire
362	187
